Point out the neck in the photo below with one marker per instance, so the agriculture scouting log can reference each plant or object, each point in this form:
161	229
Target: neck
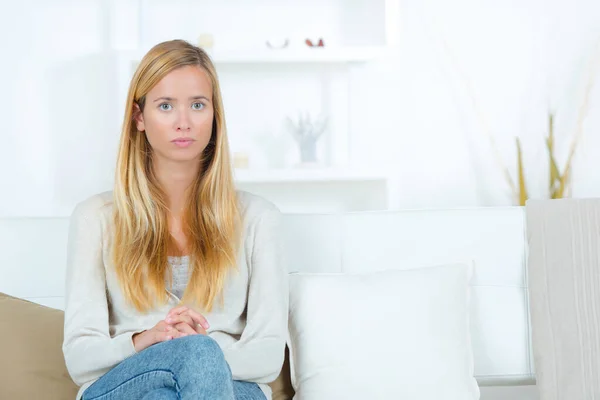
175	178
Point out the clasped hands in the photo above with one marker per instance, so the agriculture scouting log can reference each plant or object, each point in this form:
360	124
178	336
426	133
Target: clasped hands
180	321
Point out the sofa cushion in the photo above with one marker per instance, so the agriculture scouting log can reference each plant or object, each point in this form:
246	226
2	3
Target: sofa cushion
383	335
32	365
282	386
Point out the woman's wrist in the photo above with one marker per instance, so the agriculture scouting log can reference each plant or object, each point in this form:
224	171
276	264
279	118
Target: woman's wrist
136	338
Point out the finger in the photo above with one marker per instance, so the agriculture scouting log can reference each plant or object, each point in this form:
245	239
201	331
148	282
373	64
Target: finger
185	328
177	310
163	326
198	318
201	330
185	318
164	336
176	333
168	328
173	320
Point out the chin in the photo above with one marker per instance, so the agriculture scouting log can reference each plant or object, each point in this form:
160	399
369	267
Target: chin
185	158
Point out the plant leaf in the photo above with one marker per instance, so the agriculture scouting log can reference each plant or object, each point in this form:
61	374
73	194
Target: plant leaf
555	176
522	186
562	187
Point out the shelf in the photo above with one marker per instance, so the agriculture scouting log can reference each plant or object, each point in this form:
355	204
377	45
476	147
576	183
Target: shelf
305	55
306	175
290	55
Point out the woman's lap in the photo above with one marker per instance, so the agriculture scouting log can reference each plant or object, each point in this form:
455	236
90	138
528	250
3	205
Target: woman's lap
170	370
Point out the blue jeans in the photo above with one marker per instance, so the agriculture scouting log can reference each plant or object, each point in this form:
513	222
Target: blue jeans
191	367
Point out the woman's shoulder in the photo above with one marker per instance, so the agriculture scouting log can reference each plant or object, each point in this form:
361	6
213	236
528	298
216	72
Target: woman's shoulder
253	206
96	206
99	205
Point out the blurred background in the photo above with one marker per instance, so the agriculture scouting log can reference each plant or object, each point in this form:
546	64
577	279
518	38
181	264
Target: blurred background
399	103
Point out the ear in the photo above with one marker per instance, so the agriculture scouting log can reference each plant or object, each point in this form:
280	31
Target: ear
138	118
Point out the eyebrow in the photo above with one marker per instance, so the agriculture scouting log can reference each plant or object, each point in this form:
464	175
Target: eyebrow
191	98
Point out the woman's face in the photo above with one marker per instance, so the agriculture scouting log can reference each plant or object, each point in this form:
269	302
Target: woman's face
178	115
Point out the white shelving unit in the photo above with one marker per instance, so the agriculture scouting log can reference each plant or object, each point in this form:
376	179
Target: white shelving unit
307	175
307	55
354	33
327	55
320	190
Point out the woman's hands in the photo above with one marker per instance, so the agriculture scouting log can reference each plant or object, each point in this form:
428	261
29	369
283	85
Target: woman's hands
187	321
160	332
180	321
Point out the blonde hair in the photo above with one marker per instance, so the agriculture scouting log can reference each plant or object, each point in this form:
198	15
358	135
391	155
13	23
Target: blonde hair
211	221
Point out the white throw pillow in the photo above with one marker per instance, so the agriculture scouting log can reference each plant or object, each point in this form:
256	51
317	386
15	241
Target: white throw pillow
383	335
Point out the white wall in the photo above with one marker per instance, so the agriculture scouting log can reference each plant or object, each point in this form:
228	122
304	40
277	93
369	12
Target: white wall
63	83
520	57
57	105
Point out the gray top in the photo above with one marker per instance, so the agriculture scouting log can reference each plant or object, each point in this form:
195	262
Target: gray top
181	274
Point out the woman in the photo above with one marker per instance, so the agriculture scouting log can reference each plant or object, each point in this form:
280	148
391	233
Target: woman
175	288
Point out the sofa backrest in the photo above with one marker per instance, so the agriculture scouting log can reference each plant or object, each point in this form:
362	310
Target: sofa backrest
33	258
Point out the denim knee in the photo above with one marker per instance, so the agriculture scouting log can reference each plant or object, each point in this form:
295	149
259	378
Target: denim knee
200	368
202	345
202	353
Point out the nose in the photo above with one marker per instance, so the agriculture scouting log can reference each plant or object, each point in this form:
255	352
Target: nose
183	121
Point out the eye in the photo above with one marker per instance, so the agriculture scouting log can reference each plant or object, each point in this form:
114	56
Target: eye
165	106
197	106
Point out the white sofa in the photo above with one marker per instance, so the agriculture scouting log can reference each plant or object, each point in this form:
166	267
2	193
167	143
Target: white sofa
32	263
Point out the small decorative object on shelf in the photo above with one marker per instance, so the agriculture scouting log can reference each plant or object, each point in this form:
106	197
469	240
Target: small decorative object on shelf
309	43
306	133
206	41
278	43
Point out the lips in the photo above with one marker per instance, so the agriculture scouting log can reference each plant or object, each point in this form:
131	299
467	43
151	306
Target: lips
183	142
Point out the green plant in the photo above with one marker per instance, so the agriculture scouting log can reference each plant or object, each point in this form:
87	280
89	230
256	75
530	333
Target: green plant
558	181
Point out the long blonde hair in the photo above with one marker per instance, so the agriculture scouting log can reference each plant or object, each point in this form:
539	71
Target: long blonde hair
211	221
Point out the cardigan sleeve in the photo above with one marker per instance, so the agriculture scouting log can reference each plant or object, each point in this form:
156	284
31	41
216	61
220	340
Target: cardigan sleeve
88	347
259	354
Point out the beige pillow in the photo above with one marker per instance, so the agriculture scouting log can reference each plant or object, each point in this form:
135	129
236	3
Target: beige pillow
564	290
32	365
282	386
